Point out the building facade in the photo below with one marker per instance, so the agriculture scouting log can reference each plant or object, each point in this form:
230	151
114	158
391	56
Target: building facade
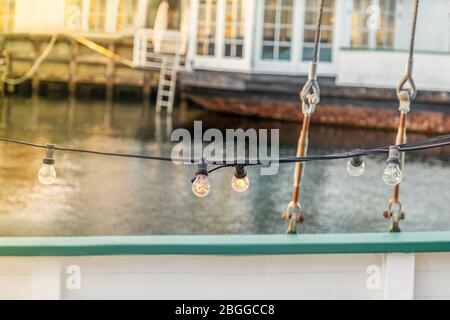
363	41
89	16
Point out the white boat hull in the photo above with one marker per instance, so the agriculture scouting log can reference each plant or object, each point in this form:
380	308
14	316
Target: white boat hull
422	275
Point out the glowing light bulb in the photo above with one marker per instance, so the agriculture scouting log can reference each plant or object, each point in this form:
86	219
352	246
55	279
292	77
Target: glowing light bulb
356	166
47	173
201	186
392	174
240	181
240	185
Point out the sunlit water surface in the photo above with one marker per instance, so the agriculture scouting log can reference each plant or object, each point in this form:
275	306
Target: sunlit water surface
97	195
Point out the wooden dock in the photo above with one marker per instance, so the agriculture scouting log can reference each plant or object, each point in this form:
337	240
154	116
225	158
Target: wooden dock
72	67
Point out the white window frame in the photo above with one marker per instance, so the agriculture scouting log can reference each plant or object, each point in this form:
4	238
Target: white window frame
277	26
295	66
219	61
208	23
235	25
276	66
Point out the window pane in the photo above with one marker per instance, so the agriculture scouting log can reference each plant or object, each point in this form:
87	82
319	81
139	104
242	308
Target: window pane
285	35
270	16
307	53
268	52
285	53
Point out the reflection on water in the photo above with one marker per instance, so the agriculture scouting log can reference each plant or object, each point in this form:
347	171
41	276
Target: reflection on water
107	196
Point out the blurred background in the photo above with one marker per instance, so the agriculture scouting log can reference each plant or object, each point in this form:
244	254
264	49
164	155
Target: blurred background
120	75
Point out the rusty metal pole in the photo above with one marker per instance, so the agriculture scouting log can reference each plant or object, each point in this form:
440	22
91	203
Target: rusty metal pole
310	97
406	93
293	213
302	150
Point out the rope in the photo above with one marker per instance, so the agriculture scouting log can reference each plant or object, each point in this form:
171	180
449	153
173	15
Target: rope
34	67
413	30
406	95
315	56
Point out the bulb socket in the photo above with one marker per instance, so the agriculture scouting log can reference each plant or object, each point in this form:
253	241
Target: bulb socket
49	155
357	161
240	172
394	155
48	161
202	169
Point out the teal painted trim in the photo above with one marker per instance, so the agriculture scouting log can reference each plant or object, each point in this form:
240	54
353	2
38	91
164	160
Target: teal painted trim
228	245
443	53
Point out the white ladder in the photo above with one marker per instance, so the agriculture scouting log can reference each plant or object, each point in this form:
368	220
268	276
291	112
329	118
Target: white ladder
167	83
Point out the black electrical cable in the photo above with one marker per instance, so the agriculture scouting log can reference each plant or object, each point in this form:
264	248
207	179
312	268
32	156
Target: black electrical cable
435	142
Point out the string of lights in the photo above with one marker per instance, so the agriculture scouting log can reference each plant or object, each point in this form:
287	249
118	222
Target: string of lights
201	186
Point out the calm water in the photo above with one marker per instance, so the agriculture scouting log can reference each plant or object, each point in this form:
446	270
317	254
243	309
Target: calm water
108	196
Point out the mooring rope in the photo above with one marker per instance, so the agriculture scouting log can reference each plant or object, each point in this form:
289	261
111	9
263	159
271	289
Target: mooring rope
48	49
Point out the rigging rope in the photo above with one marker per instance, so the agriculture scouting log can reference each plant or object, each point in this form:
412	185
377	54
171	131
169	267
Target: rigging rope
316	51
413	30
